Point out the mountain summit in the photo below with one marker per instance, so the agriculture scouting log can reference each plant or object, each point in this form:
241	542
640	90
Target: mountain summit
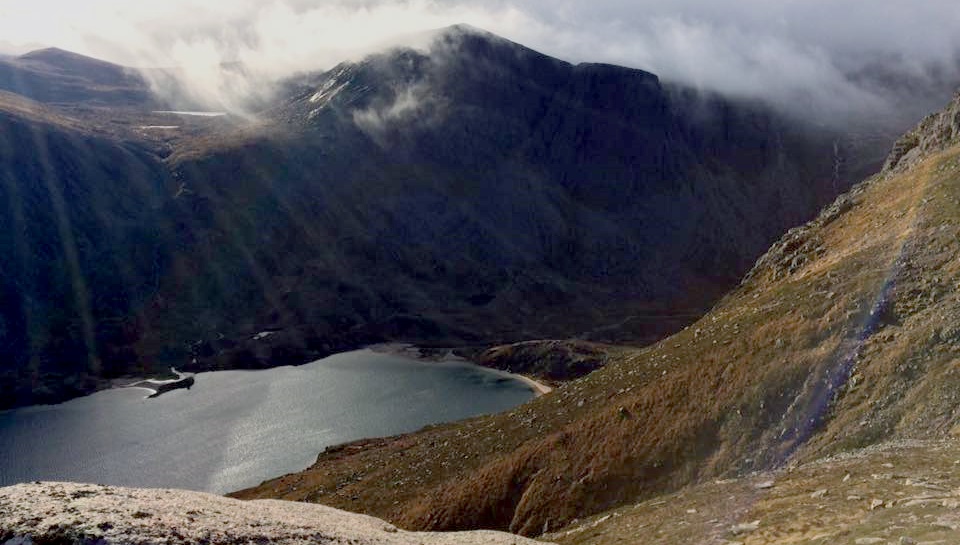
61	77
467	193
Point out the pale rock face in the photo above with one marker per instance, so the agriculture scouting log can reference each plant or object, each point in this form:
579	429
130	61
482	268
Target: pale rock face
87	514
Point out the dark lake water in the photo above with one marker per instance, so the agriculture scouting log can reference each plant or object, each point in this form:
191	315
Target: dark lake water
234	429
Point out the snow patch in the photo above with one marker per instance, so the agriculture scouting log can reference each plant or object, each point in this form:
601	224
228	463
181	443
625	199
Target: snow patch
327	91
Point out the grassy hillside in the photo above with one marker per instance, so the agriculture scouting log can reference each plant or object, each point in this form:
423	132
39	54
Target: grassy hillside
902	492
843	335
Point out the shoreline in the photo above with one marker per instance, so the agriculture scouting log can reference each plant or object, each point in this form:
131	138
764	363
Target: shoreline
404	350
156	382
412	352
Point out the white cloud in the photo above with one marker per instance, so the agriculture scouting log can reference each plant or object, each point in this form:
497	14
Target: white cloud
781	49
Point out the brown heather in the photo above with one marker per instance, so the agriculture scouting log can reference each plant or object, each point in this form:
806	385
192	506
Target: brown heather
15	105
846	334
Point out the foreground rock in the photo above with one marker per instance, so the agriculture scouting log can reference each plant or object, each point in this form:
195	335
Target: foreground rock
183	383
82	513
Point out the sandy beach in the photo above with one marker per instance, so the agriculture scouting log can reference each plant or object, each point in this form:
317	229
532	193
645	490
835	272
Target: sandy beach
412	352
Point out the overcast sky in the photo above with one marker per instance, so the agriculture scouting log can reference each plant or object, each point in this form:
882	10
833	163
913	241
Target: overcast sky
759	47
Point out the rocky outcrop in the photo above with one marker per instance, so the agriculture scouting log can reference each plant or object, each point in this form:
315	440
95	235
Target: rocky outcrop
183	383
935	133
93	514
552	360
803	244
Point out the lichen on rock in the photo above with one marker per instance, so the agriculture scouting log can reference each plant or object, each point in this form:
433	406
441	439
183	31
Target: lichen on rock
103	515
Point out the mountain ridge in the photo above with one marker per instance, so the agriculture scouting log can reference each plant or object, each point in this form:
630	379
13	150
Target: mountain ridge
57	76
528	142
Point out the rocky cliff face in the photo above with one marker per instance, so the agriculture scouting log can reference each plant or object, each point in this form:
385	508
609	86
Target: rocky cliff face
91	514
936	133
480	192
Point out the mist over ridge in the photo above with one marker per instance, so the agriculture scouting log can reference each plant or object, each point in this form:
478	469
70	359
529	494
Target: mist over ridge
823	58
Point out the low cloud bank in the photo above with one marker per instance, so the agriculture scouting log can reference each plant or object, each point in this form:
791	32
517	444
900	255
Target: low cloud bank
833	58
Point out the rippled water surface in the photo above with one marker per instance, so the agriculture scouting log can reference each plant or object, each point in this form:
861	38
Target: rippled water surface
234	429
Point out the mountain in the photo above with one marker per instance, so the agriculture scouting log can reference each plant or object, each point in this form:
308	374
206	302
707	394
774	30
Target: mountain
842	336
61	77
479	192
467	194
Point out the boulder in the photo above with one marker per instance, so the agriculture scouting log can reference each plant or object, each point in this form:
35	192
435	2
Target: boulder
87	514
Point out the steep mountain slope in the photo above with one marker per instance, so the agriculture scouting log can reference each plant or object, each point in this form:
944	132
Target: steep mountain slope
80	251
481	192
843	335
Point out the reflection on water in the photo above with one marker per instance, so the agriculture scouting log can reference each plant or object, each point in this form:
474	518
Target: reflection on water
193	114
236	428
